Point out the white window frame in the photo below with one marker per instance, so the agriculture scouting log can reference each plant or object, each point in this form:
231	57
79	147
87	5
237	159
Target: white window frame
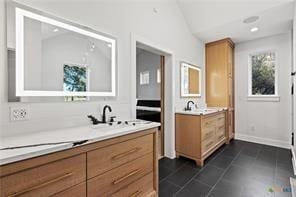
158	74
275	96
143	79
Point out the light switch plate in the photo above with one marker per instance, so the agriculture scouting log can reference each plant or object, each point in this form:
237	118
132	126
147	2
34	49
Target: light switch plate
19	113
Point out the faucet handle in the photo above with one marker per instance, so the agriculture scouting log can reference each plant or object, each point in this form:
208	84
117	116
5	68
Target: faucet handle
112	118
93	119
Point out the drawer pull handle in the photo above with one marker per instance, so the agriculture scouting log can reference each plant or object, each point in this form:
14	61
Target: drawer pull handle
126	176
135	194
220	118
121	155
41	185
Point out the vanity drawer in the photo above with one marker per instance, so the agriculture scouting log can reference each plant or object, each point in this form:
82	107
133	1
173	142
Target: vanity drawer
45	180
120	177
207	133
209	122
220	121
220	117
208	144
141	187
76	191
220	135
107	158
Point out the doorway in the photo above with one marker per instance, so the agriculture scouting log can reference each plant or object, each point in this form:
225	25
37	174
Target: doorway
150	90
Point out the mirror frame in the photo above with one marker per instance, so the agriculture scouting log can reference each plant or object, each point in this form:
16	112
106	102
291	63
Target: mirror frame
183	64
20	86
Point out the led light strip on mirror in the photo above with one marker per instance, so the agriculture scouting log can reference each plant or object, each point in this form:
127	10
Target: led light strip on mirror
20	51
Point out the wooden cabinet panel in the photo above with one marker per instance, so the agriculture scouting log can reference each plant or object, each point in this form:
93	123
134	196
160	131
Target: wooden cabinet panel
207	144
47	179
63	173
104	159
76	191
122	176
216	74
141	187
230	123
188	134
220	75
208	132
197	136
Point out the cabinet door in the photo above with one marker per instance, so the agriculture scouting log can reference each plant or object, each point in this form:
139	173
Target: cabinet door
230	93
216	75
188	135
230	78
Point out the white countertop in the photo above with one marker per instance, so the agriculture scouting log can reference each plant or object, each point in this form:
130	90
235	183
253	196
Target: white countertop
199	112
157	109
92	133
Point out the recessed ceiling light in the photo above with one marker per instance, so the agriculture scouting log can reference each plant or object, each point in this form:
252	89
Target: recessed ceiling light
251	19
254	29
56	30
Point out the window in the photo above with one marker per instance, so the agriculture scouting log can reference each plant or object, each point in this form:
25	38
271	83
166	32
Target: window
158	76
263	75
144	78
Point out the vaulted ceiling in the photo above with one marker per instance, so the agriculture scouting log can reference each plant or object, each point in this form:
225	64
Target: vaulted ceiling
211	20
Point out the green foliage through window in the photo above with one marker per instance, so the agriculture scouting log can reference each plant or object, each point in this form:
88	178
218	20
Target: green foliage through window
263	74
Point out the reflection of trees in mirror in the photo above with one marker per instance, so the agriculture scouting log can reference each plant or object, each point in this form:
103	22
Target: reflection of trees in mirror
75	80
263	74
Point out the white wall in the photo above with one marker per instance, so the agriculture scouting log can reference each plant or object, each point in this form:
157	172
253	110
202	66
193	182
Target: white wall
259	121
166	27
147	61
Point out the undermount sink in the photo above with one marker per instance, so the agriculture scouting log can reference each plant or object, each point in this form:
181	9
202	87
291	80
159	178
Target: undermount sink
200	111
206	110
106	127
116	125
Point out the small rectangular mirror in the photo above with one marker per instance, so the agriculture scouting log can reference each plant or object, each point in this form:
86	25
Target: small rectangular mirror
53	57
190	80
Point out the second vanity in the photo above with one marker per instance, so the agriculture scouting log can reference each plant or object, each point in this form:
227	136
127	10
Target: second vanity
199	133
118	160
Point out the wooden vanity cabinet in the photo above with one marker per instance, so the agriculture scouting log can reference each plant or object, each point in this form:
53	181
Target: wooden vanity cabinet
220	79
121	166
198	136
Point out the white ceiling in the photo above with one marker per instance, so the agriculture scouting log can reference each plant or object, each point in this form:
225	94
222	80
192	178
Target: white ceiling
211	20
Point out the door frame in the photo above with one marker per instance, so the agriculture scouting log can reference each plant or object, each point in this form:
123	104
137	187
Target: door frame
169	91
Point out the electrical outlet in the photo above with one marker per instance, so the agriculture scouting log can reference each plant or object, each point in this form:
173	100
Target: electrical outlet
19	113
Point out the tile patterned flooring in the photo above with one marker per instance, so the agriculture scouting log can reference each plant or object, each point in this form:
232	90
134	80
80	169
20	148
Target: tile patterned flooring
240	169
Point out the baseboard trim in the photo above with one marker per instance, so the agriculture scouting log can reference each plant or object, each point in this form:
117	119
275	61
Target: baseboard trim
266	141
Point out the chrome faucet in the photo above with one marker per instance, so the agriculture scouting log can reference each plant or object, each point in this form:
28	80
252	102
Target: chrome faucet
188	108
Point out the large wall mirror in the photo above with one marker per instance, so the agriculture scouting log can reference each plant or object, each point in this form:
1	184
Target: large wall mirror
48	57
190	80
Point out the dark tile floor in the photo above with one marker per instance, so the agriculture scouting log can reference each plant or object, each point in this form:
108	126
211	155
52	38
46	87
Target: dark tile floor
240	169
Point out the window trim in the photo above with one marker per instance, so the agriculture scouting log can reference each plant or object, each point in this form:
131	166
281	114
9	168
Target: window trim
272	97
